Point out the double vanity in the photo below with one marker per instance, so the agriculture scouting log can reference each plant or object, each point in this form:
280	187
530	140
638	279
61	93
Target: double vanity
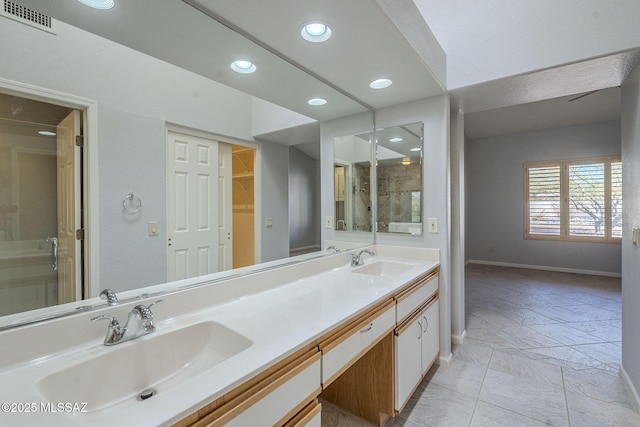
262	348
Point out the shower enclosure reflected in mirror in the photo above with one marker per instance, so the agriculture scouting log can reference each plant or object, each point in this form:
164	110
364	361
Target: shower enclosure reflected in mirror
399	179
352	182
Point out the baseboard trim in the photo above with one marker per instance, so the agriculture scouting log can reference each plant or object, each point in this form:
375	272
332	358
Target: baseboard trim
459	339
445	361
546	268
630	388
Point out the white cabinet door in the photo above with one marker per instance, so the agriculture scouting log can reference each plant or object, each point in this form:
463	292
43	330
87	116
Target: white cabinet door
430	322
408	361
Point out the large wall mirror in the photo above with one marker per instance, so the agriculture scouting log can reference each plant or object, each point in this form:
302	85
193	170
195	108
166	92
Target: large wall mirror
147	73
352	182
399	152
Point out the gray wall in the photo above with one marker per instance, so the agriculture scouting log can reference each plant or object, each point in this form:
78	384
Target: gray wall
304	209
631	218
274	184
495	197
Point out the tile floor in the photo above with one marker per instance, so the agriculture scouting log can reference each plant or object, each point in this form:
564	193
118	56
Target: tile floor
542	348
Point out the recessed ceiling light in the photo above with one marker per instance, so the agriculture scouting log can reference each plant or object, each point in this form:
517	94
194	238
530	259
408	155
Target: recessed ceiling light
380	84
395	139
317	101
243	67
316	32
46	133
98	4
416	149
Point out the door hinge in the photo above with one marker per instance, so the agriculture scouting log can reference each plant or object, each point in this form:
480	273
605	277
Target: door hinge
80	234
80	140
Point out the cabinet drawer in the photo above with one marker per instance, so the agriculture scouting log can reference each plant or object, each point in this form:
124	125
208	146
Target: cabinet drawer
407	303
308	417
336	359
281	403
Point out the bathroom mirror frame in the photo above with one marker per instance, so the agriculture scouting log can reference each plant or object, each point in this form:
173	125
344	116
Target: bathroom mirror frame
38	315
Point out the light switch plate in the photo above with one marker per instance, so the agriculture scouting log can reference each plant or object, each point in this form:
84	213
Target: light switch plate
433	225
268	223
153	228
328	221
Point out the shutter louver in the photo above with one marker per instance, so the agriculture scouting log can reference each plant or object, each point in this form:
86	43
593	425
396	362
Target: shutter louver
616	199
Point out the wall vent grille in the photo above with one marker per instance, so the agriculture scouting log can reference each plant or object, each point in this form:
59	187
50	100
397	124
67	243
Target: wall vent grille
28	16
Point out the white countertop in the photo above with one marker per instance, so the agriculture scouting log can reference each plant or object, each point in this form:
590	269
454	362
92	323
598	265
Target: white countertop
278	320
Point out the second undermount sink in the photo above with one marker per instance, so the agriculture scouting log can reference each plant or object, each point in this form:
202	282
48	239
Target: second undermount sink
155	362
383	268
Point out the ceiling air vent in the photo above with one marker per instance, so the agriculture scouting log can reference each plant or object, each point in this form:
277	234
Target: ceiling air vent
28	16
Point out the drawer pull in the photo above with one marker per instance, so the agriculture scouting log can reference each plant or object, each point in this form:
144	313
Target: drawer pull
366	328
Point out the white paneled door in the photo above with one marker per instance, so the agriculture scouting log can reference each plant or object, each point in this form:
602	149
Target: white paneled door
195	199
66	247
225	206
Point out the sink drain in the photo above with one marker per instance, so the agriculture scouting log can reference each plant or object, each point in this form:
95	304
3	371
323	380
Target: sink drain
146	394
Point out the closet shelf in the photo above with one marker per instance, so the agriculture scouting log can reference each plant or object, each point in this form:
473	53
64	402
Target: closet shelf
243	176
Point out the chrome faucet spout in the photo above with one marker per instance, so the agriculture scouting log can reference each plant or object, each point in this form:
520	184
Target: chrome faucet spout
356	259
110	296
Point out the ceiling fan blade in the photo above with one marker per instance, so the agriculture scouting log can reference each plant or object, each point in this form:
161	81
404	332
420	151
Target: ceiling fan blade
583	95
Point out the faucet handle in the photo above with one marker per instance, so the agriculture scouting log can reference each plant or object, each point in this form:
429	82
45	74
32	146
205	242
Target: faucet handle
145	310
113	319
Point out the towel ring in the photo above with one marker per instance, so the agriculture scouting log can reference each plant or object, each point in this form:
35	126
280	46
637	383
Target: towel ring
131	204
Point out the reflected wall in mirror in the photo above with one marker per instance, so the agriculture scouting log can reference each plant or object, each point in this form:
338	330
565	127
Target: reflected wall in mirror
127	115
399	179
352	182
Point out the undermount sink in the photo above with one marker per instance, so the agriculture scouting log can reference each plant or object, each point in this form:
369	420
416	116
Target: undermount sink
152	362
383	268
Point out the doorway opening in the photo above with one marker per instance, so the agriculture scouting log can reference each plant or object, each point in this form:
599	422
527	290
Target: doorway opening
243	205
41	198
210	205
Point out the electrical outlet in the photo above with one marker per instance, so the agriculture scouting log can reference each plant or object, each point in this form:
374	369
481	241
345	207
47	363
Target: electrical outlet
328	221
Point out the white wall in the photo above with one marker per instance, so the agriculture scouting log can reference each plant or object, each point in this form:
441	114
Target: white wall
491	39
495	197
458	230
434	113
304	210
631	218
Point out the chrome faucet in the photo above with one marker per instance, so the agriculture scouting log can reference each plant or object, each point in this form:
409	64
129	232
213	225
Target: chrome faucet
139	323
110	296
333	249
357	260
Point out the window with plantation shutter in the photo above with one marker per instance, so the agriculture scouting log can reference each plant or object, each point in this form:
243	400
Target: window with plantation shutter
574	200
544	200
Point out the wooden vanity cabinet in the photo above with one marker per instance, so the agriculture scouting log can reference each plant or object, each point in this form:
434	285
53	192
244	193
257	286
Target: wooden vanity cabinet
417	336
416	347
285	394
369	365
